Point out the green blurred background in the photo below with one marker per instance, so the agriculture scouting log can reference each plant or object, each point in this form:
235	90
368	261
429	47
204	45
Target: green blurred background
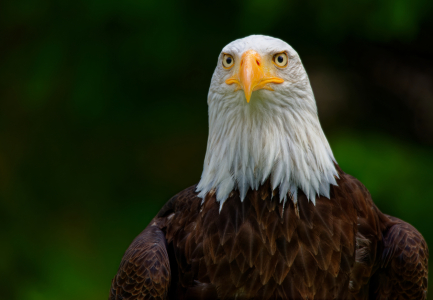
103	117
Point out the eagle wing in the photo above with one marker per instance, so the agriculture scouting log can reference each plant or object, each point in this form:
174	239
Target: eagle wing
403	269
144	272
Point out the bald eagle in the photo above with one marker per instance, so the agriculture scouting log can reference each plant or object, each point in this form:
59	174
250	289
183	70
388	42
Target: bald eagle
273	215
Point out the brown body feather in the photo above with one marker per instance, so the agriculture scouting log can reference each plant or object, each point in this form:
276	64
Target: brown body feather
340	248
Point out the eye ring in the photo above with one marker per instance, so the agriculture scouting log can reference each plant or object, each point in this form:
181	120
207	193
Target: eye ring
281	60
228	61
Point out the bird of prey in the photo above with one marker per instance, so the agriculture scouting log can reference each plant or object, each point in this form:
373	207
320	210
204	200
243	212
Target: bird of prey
273	215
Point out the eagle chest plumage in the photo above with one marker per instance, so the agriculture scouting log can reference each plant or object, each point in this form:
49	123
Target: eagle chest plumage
259	249
340	248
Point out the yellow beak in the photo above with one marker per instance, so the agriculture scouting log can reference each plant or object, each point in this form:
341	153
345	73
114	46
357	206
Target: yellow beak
252	75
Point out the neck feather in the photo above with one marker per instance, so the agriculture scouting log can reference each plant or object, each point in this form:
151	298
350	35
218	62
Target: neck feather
251	142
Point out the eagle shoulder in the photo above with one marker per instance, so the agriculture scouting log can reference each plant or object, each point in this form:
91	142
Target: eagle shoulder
391	260
144	272
403	263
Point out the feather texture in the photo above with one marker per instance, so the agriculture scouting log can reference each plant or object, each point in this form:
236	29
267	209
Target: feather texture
340	248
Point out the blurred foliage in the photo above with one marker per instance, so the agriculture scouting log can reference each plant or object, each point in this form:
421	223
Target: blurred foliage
103	117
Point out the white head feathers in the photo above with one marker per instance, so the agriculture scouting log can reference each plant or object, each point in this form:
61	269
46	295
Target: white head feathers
277	134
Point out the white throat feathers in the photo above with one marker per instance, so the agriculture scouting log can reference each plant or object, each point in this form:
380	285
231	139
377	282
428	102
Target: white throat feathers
276	135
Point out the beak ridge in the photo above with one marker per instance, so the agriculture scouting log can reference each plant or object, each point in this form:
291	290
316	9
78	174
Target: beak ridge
251	72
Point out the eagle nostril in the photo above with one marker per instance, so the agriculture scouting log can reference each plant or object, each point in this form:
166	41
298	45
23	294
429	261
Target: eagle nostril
258	63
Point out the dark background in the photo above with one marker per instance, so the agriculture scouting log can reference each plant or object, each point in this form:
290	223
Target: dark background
103	117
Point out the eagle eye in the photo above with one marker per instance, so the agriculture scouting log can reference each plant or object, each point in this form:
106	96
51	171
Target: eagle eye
228	61
280	59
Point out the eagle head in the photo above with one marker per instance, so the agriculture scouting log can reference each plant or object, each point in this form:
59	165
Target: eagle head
263	124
